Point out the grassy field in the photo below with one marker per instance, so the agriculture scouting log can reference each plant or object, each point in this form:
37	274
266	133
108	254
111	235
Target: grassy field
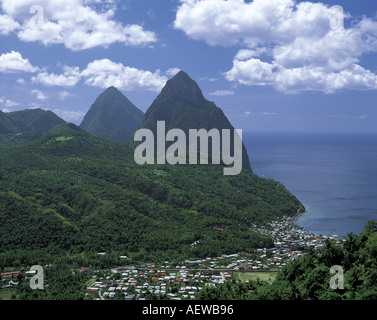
265	276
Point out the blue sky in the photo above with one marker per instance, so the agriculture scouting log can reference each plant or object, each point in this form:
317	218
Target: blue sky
271	65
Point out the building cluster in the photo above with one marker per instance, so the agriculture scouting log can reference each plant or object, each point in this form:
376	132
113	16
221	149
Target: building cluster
286	234
185	279
143	283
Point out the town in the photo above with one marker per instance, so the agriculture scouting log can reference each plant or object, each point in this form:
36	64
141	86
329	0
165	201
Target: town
183	280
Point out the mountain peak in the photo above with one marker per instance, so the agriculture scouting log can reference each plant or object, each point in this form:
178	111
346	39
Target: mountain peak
181	105
111	89
112	116
181	86
28	120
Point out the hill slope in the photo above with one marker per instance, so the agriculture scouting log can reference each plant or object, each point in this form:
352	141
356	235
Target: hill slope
70	191
7	126
112	116
28	121
35	120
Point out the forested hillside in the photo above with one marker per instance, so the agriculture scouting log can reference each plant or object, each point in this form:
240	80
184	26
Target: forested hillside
29	120
70	192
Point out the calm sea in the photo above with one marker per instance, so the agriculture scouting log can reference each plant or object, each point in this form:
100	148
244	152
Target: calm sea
334	175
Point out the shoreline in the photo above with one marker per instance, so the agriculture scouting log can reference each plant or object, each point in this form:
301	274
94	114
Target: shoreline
298	216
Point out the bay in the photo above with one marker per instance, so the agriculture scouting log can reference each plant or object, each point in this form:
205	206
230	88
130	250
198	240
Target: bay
333	174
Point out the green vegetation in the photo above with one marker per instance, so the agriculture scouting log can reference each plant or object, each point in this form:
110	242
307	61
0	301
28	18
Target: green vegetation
62	284
6	125
62	139
308	278
86	194
66	195
264	276
27	121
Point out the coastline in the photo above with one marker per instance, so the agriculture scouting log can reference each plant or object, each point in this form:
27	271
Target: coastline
330	174
298	216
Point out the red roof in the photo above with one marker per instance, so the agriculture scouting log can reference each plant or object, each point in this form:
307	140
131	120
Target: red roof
11	273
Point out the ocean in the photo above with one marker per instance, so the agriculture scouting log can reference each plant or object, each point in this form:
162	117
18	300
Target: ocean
334	175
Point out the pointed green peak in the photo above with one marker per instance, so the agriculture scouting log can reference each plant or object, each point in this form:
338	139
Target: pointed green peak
112	116
183	87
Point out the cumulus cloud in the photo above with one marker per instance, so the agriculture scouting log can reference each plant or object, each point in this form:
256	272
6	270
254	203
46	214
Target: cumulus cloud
228	22
21	81
13	62
77	24
64	95
105	73
7	24
8	103
69	78
39	94
291	46
172	71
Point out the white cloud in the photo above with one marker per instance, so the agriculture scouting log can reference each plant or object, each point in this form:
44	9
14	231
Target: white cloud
222	93
290	46
246	114
21	81
69	78
64	95
210	79
105	73
251	72
77	24
172	72
244	54
228	22
7	24
344	116
13	62
39	94
8	103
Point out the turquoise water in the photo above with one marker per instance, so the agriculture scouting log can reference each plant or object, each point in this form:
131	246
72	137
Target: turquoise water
334	175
